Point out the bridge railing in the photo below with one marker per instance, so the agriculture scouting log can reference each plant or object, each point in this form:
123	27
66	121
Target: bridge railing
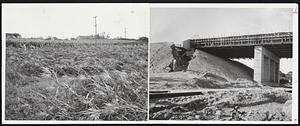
246	40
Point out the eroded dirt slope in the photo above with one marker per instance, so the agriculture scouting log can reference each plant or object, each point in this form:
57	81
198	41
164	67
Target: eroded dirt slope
161	56
204	71
203	63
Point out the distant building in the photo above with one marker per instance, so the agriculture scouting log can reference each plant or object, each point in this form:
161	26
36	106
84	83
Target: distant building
81	37
13	35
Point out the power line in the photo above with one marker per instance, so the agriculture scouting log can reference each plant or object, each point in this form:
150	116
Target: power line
95	25
125	32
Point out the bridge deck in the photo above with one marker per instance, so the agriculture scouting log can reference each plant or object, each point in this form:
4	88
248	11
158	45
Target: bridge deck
242	46
245	40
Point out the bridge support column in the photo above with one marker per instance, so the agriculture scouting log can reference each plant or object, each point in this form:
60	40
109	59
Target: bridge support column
266	66
187	44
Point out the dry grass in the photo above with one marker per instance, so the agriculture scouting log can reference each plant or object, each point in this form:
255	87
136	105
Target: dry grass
76	81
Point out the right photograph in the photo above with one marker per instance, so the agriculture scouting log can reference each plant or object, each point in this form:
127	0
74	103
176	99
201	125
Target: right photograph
226	64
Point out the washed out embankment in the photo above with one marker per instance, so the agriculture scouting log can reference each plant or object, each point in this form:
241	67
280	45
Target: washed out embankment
204	62
226	89
203	70
161	56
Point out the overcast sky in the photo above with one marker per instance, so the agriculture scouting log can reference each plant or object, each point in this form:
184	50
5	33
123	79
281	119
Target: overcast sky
178	24
71	20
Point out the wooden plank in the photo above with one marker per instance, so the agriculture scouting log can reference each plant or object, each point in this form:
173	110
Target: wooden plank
175	94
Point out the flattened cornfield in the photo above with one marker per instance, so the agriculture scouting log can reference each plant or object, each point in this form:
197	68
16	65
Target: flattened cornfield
75	80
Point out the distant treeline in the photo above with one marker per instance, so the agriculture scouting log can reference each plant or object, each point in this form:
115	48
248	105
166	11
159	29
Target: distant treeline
91	37
13	35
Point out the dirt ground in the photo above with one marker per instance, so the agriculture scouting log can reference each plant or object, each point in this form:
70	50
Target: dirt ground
190	80
256	104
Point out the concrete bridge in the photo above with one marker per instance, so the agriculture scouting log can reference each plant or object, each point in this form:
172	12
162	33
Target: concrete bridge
266	49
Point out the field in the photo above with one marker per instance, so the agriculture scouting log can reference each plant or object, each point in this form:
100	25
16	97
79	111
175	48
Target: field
69	80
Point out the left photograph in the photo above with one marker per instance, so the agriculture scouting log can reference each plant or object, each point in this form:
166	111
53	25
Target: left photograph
75	61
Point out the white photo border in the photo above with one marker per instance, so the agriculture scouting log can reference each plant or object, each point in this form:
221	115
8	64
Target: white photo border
153	5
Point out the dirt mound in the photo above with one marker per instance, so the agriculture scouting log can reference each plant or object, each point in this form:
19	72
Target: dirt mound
161	57
203	62
287	108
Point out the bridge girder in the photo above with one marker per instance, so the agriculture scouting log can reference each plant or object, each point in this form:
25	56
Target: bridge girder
282	51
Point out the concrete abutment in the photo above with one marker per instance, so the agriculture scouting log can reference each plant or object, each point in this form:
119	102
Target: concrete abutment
266	66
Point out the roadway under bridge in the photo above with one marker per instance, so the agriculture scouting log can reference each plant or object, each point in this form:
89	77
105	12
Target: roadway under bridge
266	49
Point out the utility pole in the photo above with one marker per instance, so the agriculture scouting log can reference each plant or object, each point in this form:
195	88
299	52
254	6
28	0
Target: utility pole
125	32
95	25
